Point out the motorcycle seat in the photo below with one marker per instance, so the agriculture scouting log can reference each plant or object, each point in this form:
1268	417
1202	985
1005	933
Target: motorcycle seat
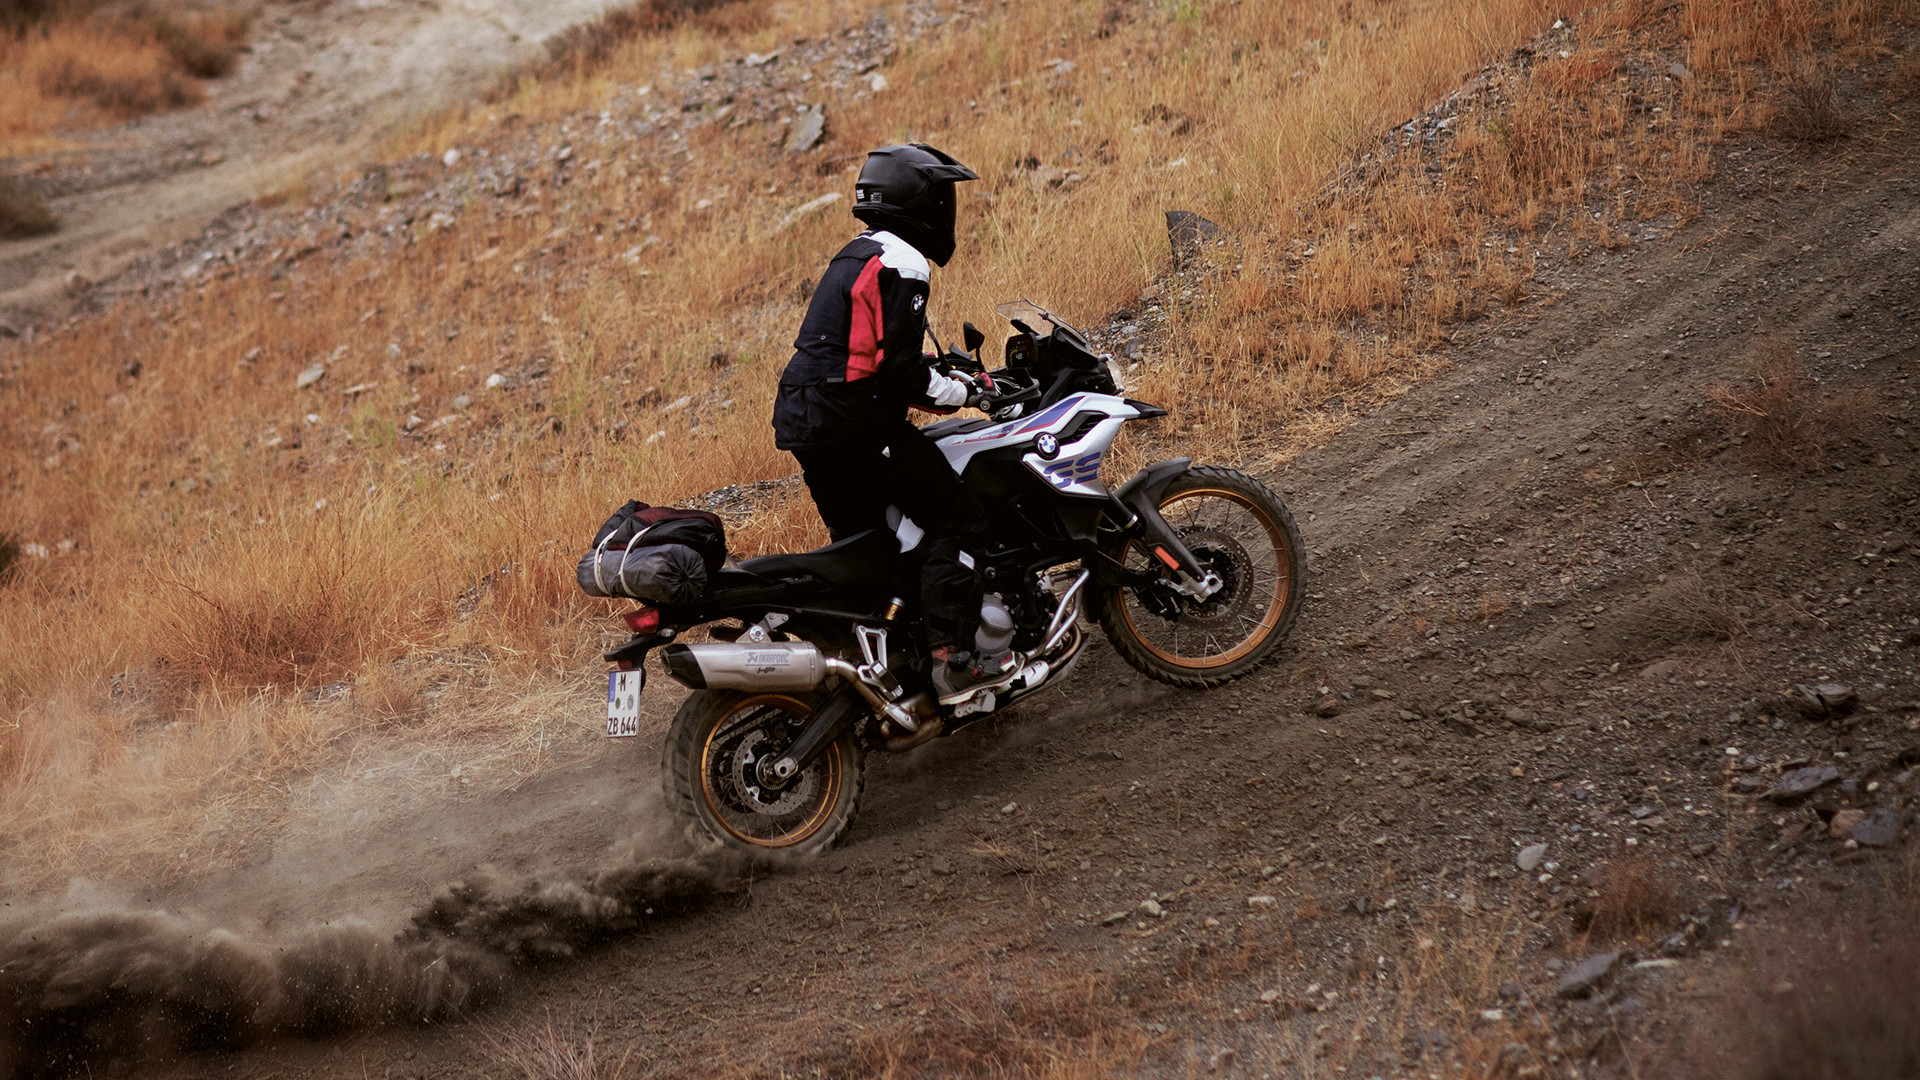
860	558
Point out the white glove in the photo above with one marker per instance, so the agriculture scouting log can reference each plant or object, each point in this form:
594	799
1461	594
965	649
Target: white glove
945	390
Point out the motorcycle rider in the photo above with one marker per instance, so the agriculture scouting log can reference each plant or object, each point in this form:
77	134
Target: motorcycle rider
857	368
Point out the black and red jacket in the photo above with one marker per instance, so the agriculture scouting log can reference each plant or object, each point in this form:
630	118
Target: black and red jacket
857	364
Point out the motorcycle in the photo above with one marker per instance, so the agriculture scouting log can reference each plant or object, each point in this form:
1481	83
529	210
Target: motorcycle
1194	573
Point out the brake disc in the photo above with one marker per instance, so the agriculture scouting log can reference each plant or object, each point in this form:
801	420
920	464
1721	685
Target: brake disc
744	773
1221	554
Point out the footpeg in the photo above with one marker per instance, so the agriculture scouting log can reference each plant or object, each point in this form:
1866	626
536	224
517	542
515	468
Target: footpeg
981	702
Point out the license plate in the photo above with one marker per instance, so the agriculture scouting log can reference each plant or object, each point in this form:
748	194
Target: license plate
623	702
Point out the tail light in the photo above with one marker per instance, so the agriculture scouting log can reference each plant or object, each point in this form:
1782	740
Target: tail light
642	620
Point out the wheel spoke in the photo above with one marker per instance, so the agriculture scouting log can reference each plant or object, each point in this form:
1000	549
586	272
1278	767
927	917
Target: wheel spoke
1235	538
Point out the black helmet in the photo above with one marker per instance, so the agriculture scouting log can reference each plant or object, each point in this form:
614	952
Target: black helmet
908	190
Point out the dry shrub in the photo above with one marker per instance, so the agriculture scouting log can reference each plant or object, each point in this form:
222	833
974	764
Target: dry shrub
1004	858
130	83
1787	422
589	47
1633	894
1692	607
23	213
1811	110
131	63
290	612
205	46
563	1053
393	693
1722	35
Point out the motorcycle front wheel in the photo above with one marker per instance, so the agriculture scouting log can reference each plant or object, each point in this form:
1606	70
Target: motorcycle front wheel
1237	528
708	772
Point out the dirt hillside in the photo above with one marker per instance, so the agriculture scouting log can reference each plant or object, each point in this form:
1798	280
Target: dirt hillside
319	81
1565	594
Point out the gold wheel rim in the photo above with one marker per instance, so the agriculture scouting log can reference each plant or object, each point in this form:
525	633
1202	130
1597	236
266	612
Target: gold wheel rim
1268	619
832	778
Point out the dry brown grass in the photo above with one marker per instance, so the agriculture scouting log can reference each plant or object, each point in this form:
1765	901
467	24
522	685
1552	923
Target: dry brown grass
1632	894
1693	606
1812	111
558	1053
1782	416
997	1023
75	70
590	47
1903	81
212	543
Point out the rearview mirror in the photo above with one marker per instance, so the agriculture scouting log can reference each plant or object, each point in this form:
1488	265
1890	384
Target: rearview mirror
973	337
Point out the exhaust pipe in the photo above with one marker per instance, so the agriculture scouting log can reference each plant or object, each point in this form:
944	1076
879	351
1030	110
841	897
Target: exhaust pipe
780	665
777	665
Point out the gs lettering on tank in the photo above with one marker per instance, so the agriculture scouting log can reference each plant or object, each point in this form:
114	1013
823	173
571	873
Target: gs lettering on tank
1078	472
1064	444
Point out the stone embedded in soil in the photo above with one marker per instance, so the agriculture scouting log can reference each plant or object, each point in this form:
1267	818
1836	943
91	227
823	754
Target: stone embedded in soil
808	129
1825	699
1152	908
310	376
1188	233
1262	903
1880	829
1803	782
1844	820
1587	974
1114	918
1530	857
1661	670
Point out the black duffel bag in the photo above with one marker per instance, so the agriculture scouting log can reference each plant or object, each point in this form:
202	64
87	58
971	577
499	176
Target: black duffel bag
660	554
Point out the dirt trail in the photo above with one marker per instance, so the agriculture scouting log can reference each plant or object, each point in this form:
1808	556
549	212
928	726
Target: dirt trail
1522	576
320	82
1554	601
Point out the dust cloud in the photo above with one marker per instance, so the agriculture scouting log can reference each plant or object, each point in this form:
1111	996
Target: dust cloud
84	989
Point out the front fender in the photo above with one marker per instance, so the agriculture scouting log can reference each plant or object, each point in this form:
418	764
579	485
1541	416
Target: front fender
1149	483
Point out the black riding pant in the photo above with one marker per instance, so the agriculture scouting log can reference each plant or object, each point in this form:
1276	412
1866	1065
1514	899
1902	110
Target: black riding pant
853	483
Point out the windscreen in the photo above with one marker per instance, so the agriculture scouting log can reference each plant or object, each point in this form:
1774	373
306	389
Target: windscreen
1030	313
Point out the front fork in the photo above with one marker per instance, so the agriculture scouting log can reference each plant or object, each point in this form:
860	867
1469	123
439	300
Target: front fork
1137	506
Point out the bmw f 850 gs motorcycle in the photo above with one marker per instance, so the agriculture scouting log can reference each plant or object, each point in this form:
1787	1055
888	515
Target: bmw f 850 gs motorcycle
1194	573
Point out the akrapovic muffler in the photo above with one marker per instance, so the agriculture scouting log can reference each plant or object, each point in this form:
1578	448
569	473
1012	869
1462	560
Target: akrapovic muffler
774	665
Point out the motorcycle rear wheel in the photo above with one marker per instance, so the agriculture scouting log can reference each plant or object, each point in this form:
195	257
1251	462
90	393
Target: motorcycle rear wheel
1239	529
707	773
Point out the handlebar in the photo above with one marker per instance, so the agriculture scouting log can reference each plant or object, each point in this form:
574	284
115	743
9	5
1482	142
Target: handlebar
990	397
